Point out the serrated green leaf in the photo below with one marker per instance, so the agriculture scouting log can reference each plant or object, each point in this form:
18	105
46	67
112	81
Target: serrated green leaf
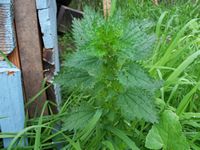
84	30
78	118
75	78
134	46
167	134
133	75
81	60
137	103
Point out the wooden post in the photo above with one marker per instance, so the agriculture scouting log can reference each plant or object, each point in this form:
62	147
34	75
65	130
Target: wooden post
11	100
30	51
106	7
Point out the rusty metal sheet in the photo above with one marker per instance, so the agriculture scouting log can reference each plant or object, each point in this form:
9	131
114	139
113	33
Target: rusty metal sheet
7	33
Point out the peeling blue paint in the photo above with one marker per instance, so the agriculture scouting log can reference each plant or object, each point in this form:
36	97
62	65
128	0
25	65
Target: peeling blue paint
43	4
47	13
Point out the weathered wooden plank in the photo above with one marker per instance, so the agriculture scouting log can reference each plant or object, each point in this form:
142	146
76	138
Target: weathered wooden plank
46	28
7	35
47	20
11	100
30	51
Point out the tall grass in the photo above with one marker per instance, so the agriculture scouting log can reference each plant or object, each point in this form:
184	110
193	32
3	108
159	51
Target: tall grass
175	60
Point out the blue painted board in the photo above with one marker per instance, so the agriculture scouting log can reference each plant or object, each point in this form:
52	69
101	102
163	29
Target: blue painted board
43	4
48	24
11	100
5	1
47	20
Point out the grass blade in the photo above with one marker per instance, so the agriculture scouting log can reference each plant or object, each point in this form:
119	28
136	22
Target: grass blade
182	67
123	137
109	145
39	130
186	100
91	125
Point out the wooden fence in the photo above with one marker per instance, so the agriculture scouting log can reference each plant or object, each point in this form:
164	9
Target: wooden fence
28	37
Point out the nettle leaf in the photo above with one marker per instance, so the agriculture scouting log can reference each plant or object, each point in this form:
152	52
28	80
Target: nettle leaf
84	30
75	79
167	134
80	60
133	75
137	44
137	104
78	118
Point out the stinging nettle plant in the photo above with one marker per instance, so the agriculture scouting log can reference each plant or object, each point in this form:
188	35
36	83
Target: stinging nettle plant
106	66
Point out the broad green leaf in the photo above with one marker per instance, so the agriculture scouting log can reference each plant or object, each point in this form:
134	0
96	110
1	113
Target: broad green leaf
78	118
134	47
167	134
133	75
153	139
137	103
84	30
76	78
81	60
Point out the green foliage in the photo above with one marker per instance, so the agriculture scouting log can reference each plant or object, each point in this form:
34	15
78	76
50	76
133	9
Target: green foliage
175	60
78	118
106	66
167	134
106	60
